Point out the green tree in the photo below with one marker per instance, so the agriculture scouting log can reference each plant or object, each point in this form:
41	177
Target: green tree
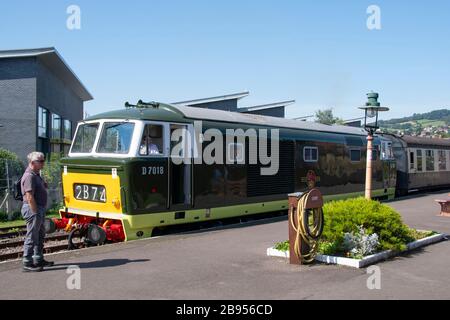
326	117
417	129
15	166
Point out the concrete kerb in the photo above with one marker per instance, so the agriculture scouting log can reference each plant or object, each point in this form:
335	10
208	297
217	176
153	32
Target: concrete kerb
369	260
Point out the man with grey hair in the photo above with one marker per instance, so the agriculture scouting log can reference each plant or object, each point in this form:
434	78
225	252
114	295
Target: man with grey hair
34	191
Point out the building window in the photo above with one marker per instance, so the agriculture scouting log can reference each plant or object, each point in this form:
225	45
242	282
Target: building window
42	123
67	133
310	154
355	155
56	148
419	161
442	160
430	160
56	126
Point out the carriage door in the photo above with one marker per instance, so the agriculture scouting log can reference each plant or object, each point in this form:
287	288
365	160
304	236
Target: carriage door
180	167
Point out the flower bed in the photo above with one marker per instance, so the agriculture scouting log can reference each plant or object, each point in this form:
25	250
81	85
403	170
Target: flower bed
360	232
363	261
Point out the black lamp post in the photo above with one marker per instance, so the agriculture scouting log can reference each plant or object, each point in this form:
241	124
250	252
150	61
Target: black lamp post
372	108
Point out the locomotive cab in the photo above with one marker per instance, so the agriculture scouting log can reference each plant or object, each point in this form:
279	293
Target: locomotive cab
117	173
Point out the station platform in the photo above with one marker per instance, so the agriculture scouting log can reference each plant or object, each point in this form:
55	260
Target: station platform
231	263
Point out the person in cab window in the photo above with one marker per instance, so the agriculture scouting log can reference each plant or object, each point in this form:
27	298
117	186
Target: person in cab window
148	145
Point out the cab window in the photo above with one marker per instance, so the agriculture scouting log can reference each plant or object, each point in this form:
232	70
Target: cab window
152	142
116	138
386	151
85	138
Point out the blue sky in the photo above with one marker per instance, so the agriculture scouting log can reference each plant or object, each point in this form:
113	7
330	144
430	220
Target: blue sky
319	53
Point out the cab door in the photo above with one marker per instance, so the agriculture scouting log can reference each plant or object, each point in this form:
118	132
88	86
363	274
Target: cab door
149	170
181	167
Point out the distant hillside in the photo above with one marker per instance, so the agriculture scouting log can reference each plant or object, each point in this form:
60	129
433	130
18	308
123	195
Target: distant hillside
435	123
437	115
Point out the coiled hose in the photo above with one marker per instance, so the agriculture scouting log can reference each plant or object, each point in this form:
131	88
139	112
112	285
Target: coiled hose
305	231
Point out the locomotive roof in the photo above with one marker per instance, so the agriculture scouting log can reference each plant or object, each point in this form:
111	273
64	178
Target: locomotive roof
166	112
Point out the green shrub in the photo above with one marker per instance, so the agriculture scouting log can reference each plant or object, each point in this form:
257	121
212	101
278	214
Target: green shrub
282	246
347	216
3	216
15	166
54	209
52	170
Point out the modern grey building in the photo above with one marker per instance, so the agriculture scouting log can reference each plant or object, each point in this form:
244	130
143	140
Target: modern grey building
41	101
230	103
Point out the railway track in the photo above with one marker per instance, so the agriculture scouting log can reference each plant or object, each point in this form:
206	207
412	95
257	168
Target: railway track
18	255
11	248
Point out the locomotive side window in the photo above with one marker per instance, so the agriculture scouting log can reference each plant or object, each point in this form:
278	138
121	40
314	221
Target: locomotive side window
442	160
85	138
310	154
152	142
116	138
355	155
419	161
430	160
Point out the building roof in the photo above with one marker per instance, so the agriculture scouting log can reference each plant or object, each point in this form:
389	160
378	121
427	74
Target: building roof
232	96
53	60
267	106
167	112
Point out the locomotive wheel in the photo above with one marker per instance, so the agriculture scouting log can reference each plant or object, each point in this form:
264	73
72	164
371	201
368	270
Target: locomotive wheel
95	235
77	238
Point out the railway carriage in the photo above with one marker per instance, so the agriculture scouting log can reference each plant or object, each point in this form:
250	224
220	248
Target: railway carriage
422	163
120	178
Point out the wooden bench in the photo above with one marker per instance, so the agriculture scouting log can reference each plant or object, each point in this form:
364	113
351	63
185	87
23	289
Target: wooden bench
445	207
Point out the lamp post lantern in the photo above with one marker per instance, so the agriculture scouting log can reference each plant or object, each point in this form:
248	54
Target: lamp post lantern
372	108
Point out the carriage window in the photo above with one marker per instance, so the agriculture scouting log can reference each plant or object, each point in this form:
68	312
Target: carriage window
116	138
442	160
355	155
85	138
419	161
411	160
430	160
310	154
152	142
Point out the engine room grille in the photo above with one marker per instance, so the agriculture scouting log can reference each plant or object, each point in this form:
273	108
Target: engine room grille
282	182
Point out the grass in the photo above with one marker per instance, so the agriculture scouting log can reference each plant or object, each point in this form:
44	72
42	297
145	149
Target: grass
21	223
428	123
